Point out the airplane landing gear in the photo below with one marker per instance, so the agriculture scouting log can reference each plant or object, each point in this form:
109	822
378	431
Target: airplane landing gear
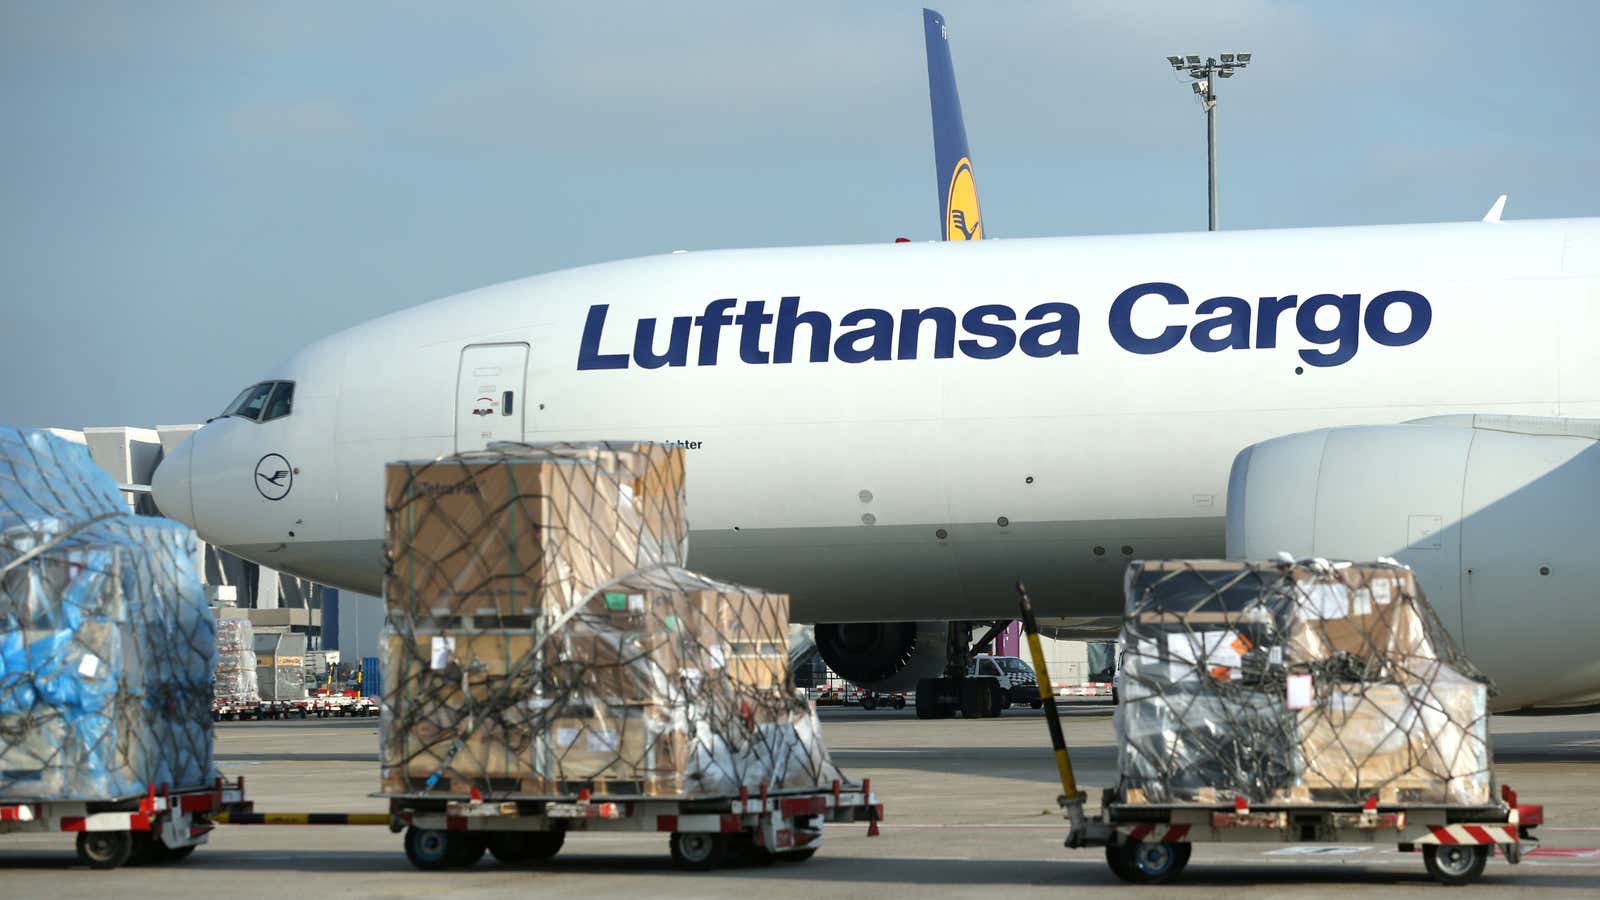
973	696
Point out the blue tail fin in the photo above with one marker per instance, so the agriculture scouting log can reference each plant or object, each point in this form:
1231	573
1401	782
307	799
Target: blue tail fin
959	218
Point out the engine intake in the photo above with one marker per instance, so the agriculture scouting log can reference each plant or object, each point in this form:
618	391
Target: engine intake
886	656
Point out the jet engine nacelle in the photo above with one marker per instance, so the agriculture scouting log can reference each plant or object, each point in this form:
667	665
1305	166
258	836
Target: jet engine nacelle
884	656
1498	515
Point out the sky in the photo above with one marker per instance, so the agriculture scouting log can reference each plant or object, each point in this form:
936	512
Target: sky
191	191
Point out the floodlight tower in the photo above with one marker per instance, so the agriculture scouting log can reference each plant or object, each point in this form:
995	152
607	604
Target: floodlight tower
1205	75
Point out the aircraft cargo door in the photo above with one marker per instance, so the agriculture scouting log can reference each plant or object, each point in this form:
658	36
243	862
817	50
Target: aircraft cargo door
489	392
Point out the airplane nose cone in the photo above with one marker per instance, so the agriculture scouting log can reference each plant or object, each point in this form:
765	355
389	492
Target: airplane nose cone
170	485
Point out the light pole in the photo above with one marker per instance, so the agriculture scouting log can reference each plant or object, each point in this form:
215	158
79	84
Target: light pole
1205	75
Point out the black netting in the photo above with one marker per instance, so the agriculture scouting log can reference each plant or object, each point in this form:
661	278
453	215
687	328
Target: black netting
1302	683
106	642
542	639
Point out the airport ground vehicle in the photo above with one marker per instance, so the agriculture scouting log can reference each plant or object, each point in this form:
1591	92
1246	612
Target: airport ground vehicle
320	705
231	710
875	699
1150	843
1016	679
324	704
706	831
454	831
160	826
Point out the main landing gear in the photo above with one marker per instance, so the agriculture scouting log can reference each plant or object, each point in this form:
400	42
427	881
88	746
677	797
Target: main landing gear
973	696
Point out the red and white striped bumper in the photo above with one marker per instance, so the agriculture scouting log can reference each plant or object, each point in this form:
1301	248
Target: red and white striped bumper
1470	834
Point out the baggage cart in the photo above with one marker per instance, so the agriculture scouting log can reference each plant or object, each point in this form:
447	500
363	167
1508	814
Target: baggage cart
160	826
760	827
1150	843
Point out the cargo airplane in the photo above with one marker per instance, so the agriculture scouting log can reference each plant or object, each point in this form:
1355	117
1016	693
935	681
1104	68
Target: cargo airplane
894	434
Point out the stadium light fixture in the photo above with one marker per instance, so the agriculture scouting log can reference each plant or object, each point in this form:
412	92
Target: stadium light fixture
1205	87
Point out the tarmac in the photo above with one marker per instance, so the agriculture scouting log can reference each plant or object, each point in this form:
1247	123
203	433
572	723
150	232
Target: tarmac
970	809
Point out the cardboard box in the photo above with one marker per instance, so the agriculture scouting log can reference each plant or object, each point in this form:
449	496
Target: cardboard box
758	665
1371	615
1453	737
1358	741
529	528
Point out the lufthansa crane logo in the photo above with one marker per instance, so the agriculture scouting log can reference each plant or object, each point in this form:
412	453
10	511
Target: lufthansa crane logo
964	222
274	476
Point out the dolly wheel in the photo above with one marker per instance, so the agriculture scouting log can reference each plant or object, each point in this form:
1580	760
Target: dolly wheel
525	846
1140	862
698	850
104	849
177	854
744	851
428	848
463	850
1455	863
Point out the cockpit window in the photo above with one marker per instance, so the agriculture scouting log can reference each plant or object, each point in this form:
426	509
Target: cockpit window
282	402
263	402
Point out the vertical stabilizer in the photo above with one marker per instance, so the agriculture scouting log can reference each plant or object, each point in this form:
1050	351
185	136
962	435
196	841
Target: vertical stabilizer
959	217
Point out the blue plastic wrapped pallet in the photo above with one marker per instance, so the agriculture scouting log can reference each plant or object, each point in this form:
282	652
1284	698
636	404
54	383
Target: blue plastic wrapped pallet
106	642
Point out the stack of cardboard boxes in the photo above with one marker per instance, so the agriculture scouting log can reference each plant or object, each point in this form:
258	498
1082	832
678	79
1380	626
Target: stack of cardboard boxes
542	637
1295	684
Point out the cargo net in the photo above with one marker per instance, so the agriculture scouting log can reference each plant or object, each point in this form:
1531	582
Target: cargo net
495	537
235	680
516	663
106	642
1295	684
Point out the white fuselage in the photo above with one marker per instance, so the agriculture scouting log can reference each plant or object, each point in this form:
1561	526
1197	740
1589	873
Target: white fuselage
923	488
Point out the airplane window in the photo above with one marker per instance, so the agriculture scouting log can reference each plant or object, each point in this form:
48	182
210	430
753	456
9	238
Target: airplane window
249	404
282	402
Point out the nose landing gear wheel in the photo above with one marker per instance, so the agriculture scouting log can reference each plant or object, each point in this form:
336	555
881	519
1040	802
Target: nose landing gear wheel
698	851
1455	864
104	849
1139	862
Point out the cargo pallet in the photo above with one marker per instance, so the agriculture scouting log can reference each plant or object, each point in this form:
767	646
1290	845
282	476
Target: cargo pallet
1149	843
162	825
706	832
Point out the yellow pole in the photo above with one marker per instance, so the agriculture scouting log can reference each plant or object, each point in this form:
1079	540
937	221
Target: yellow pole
1047	692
